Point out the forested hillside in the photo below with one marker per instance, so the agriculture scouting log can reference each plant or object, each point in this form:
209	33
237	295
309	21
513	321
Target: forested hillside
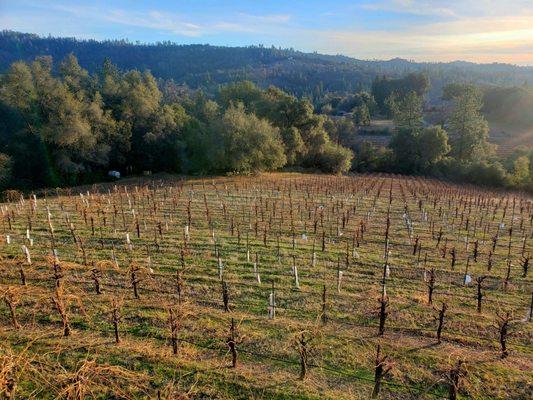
74	126
63	124
206	66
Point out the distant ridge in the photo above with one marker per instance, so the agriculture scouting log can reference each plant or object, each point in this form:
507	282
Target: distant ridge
207	66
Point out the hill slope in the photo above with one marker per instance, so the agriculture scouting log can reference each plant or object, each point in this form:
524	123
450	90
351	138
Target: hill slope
208	66
139	302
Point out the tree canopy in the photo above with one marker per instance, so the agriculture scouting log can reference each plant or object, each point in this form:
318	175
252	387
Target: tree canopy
468	128
79	125
61	125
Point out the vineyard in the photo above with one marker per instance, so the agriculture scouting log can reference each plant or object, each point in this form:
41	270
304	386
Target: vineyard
276	286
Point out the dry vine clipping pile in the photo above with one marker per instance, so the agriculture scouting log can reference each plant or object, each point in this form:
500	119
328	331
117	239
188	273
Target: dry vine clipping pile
277	286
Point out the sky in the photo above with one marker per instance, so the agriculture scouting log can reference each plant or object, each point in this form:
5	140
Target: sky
482	31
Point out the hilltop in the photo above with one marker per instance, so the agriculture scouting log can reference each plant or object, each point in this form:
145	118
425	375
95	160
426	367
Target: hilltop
207	66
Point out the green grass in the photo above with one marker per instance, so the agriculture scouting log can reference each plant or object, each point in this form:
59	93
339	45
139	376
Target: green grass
342	351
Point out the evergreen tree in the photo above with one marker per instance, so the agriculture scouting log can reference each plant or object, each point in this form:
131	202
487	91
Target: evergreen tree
468	128
362	115
407	113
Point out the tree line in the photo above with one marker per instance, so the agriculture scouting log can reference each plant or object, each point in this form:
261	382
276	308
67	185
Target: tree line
72	127
456	148
203	66
61	125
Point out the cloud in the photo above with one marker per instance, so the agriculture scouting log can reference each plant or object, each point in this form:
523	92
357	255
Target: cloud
176	23
414	7
483	39
454	8
249	23
472	30
172	23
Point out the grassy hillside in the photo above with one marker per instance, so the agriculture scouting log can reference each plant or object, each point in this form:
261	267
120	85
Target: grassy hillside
176	261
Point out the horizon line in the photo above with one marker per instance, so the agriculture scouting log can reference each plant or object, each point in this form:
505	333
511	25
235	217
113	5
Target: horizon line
173	43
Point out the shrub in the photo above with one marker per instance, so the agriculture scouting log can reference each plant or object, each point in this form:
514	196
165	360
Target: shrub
249	144
484	173
335	159
5	169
